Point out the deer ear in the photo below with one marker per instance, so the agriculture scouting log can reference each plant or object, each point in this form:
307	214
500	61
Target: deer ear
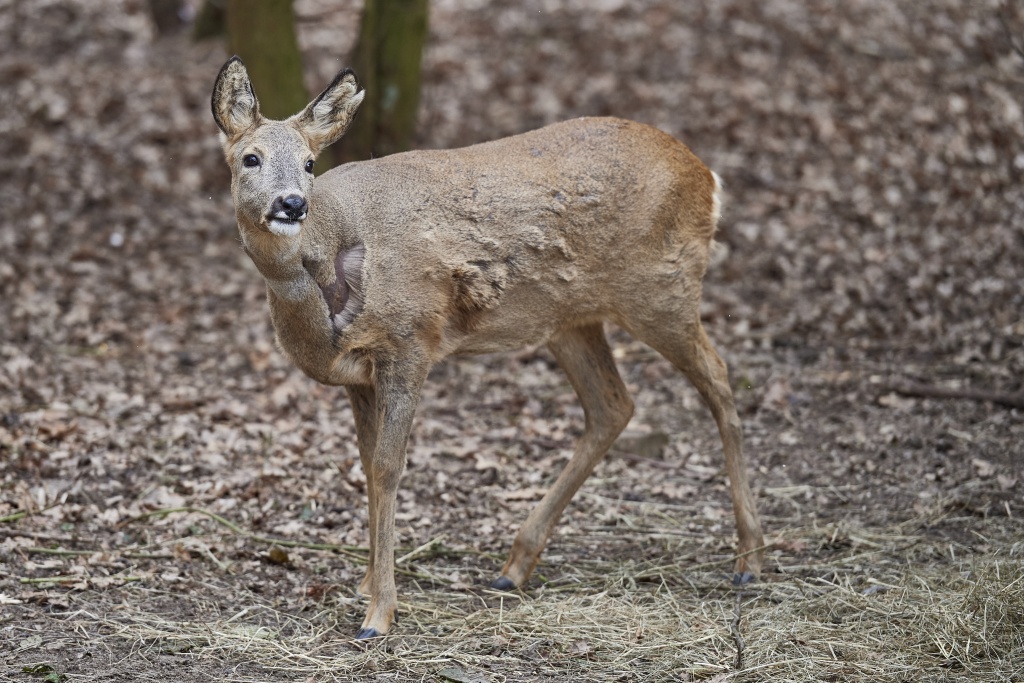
326	118
234	104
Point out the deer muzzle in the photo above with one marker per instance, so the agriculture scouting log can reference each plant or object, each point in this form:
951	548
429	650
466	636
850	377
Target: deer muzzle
286	213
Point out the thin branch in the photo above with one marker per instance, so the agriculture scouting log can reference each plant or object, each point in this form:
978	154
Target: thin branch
14	517
68	578
1001	13
659	464
53	579
422	550
1011	400
354	552
735	629
39	536
59	552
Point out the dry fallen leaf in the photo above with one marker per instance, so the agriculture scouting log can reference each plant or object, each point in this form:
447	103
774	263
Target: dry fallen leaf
984	468
278	555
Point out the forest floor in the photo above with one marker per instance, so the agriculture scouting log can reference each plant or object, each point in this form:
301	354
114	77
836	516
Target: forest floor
178	502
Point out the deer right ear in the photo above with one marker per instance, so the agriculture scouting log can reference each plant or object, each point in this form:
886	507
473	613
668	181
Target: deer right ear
234	104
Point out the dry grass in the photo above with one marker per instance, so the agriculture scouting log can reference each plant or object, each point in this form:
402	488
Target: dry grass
873	610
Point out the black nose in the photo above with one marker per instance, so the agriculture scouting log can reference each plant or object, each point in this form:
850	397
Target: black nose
293	206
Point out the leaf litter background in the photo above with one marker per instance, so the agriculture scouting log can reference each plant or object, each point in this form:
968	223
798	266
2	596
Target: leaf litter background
872	237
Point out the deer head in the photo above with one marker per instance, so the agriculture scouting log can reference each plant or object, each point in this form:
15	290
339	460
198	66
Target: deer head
272	161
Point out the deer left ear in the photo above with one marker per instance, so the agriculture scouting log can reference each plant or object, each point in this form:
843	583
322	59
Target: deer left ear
325	119
235	107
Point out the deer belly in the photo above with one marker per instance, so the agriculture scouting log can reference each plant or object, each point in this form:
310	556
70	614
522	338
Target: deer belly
504	335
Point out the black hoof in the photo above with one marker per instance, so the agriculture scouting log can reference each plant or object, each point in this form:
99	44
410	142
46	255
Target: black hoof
503	583
367	633
743	578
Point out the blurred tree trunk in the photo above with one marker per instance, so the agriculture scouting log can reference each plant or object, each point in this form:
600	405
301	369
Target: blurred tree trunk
166	16
209	22
263	35
387	62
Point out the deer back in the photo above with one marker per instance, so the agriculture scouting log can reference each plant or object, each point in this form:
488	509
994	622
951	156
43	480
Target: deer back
501	244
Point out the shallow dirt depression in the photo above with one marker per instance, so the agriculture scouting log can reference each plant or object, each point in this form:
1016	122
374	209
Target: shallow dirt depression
178	503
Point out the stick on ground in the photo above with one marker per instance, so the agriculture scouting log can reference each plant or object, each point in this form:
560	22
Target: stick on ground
1011	400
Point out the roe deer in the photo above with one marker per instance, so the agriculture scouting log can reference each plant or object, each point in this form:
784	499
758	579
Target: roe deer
377	270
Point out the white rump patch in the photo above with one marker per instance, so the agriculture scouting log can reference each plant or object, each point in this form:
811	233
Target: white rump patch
718	252
716	200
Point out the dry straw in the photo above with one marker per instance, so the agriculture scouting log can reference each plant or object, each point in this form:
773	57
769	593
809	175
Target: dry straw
887	607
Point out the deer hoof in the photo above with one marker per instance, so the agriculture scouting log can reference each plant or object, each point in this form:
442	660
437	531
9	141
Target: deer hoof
503	583
743	578
367	633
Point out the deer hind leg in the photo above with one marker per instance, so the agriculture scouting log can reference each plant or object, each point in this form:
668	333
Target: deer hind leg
364	410
691	352
584	355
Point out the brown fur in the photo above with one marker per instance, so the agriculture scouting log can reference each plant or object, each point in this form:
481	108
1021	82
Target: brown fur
533	239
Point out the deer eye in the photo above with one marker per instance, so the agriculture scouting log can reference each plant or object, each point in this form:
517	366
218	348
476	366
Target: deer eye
309	166
250	161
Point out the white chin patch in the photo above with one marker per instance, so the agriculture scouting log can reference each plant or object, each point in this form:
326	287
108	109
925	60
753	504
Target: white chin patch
284	228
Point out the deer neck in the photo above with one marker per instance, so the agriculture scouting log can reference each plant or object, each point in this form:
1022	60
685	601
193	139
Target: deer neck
279	259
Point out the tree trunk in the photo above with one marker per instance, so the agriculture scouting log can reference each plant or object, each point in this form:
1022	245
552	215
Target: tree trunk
263	35
165	15
387	62
210	21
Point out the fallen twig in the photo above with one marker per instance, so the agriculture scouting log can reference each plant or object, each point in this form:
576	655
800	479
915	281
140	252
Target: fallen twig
68	578
13	518
1001	15
60	552
734	628
1012	400
39	536
354	552
659	464
53	579
423	549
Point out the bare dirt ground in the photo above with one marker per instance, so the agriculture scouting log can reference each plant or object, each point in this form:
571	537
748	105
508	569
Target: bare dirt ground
178	503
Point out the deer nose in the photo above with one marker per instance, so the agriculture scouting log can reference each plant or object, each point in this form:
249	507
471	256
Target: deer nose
293	207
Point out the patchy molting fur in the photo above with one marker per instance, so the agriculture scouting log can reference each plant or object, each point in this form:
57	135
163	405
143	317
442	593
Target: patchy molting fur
344	296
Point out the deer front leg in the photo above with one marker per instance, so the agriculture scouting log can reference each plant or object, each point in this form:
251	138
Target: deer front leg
364	411
303	325
304	322
397	388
